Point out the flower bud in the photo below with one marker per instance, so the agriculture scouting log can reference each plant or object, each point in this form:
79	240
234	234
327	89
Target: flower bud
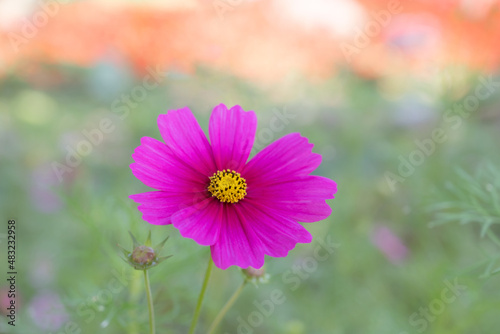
144	256
255	276
251	272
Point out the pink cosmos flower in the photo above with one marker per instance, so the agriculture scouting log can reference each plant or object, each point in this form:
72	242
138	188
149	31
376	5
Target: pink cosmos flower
242	210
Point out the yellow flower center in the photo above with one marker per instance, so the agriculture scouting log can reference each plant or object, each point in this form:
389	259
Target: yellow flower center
228	186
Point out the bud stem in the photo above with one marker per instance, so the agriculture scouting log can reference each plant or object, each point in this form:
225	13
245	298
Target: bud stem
202	294
150	303
226	308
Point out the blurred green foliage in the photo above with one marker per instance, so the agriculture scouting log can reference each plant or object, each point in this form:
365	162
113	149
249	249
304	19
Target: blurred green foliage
68	231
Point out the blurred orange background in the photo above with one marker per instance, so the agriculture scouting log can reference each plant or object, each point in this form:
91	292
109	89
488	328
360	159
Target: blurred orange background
258	40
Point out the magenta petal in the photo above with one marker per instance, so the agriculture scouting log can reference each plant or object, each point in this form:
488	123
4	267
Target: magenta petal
157	167
286	159
277	233
237	244
302	199
232	134
184	136
201	221
157	207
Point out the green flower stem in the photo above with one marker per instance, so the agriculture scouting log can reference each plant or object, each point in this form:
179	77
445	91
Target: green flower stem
150	304
135	289
226	307
200	298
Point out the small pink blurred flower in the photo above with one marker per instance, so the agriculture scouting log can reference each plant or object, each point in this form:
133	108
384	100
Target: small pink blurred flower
42	270
416	35
389	244
47	311
41	191
4	300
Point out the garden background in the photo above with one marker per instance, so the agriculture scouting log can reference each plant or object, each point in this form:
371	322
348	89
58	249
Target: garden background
401	98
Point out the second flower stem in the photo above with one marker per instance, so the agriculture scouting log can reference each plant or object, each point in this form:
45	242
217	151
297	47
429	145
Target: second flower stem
226	308
150	304
200	298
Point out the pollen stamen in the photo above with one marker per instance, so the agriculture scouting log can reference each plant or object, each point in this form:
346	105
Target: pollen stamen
228	186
